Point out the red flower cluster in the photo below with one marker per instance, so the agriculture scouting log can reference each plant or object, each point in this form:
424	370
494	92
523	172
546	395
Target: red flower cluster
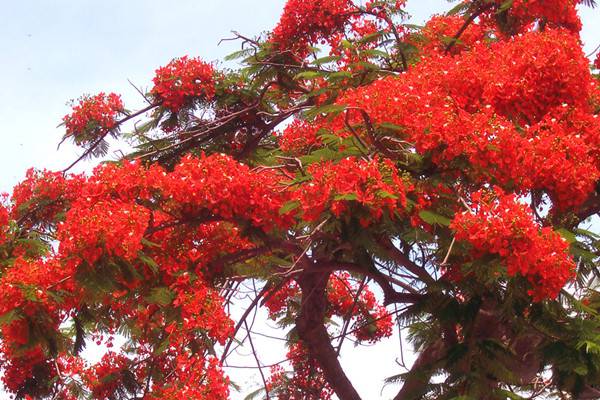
307	381
155	235
105	379
538	83
373	184
278	301
194	377
306	22
555	13
4	221
182	81
95	227
30	309
229	189
371	321
201	310
23	288
439	31
42	195
93	117
299	136
373	326
536	72
502	226
565	140
29	365
597	61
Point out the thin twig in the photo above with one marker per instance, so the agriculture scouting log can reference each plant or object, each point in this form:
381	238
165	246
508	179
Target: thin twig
262	375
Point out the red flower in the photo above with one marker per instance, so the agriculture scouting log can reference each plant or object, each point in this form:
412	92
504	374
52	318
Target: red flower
502	226
93	116
372	184
306	22
182	81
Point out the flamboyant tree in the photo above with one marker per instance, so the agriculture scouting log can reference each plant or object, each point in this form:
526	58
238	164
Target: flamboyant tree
362	172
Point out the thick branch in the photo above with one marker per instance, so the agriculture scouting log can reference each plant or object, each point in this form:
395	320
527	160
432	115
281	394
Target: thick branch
415	385
312	332
403	260
590	207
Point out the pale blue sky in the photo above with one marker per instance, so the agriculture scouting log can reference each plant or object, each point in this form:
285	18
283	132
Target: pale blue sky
56	50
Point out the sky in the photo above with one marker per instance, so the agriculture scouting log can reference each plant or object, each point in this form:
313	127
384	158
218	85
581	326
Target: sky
57	50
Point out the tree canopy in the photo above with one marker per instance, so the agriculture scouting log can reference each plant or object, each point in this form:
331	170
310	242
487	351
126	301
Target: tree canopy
364	173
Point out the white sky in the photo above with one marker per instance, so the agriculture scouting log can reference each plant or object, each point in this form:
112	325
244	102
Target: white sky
56	50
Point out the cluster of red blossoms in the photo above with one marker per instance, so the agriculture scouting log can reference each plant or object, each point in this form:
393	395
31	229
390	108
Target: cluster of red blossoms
108	375
502	226
438	33
182	81
372	321
307	381
525	107
93	116
306	22
555	13
347	299
4	221
196	377
372	184
139	227
299	136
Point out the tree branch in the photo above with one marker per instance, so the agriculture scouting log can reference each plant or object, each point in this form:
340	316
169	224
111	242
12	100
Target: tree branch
313	333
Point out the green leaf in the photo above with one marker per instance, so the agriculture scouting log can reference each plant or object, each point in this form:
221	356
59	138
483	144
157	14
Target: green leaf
255	394
433	218
149	262
413	26
289	206
505	6
330	139
326	60
161	295
370	37
309	75
347	196
161	347
590	347
585	232
148	243
390	126
238	54
376	53
463	6
386	195
339	75
324	154
567	235
326	109
581	370
8	317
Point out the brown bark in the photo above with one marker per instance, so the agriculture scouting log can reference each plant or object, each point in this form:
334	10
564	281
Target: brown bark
415	384
312	332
